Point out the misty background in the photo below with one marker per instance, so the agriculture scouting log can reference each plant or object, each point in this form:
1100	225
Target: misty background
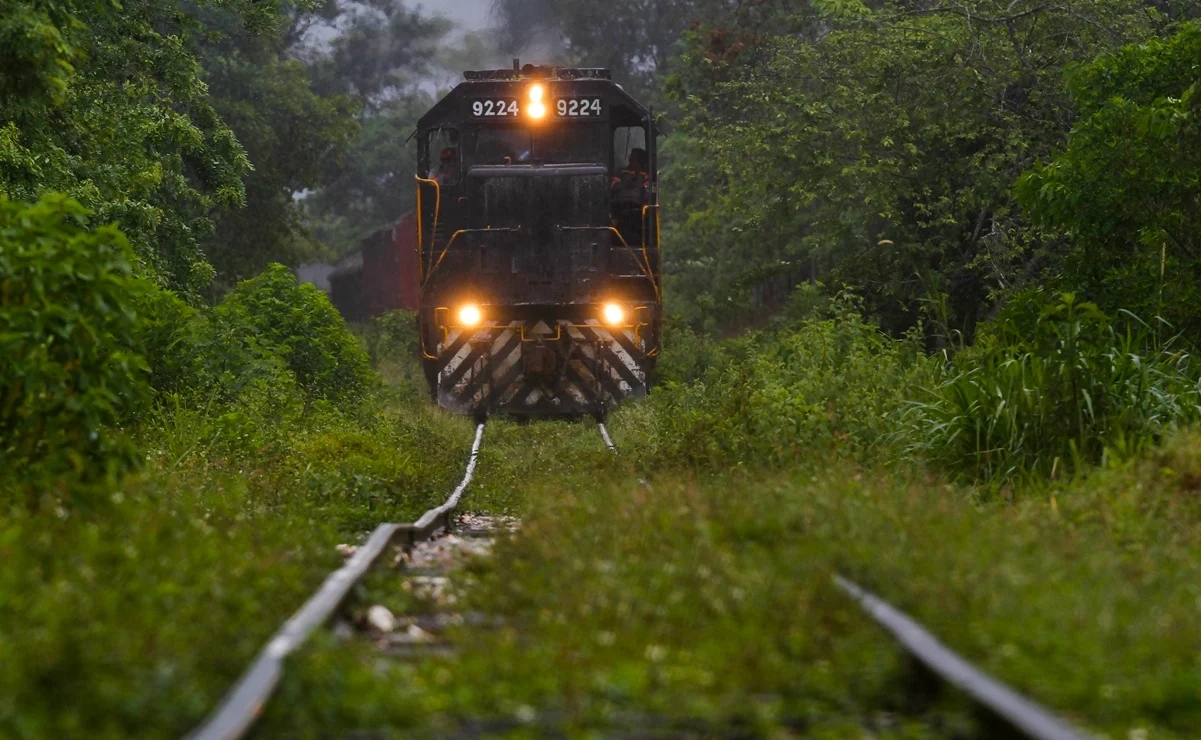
469	15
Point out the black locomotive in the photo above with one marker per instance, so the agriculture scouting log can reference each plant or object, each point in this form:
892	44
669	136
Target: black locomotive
538	243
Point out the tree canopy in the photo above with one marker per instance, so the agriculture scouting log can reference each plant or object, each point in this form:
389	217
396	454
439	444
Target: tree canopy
382	59
106	103
198	127
878	148
1125	188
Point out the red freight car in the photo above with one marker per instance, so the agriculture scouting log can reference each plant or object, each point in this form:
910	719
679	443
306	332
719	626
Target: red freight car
390	278
380	275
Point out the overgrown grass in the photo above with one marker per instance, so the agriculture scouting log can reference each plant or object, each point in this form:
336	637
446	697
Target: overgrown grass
705	602
260	440
627	608
133	618
771	399
1054	386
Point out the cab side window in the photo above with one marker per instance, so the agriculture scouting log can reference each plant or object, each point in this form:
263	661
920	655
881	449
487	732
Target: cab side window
630	166
629	185
445	155
626	139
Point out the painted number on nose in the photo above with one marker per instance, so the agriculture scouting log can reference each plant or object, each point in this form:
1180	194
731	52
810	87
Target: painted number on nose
578	107
494	108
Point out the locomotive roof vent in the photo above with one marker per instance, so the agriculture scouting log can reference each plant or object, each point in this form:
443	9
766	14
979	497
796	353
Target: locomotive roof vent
535	71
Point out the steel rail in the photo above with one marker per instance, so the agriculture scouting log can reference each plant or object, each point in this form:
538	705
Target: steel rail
245	701
605	436
1023	714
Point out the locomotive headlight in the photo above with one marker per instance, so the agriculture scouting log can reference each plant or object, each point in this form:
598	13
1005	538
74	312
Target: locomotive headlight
536	108
613	314
470	315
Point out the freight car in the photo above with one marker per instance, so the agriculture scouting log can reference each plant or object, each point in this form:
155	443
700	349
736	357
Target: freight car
380	275
538	243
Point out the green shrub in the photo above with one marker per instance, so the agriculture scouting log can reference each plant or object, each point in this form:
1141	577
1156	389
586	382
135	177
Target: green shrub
273	315
834	383
687	355
394	347
392	337
68	376
1051	386
166	336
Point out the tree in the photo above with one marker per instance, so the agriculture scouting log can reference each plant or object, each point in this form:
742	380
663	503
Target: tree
114	112
881	145
1127	187
294	137
381	59
636	39
68	373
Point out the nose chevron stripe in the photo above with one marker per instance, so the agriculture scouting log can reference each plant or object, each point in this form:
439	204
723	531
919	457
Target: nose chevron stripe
481	370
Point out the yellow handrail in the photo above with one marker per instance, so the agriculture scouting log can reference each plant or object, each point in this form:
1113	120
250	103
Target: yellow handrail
437	213
645	255
447	249
420	240
644	266
455	236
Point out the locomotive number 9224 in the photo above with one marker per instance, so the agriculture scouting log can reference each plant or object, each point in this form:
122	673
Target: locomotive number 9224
494	108
578	107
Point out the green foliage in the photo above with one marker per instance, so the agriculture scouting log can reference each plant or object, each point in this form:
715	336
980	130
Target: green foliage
702	603
68	375
39	47
825	383
1126	186
637	41
1054	386
131	133
270	343
296	323
393	346
374	186
264	447
294	136
687	355
878	148
377	58
164	336
392	337
195	126
134	622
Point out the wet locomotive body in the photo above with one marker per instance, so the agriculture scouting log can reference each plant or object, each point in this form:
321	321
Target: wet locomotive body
538	244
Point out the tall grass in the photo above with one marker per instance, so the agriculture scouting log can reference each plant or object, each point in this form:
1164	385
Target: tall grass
826	383
1054	385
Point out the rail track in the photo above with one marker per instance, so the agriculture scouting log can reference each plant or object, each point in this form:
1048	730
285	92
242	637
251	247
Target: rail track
244	702
1014	710
1019	713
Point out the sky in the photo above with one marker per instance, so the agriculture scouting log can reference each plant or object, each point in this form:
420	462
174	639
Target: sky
472	15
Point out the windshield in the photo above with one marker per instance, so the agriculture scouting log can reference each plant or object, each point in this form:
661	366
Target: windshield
552	145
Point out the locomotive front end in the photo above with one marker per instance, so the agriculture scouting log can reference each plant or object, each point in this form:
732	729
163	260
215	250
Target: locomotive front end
538	244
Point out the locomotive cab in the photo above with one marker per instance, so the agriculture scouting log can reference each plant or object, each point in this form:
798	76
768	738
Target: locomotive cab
538	243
